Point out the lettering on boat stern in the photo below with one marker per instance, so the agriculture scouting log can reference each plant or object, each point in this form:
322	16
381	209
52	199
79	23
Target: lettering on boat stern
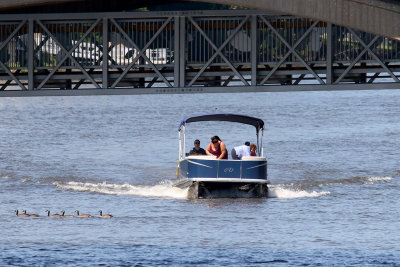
226	170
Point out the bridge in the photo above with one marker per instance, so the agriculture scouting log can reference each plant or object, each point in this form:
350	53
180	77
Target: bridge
190	51
380	17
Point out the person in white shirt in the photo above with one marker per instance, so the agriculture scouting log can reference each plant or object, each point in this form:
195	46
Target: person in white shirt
239	151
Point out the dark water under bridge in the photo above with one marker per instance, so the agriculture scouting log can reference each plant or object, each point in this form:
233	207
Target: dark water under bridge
188	52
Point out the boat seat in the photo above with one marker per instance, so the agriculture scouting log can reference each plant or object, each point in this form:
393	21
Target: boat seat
201	157
252	158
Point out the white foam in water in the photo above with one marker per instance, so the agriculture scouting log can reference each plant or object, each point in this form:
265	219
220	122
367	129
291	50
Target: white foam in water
371	180
166	190
278	191
160	190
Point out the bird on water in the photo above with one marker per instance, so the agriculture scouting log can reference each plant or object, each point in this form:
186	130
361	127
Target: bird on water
105	215
21	215
56	215
30	215
66	216
82	215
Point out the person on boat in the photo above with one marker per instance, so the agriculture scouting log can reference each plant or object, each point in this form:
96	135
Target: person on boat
197	150
253	149
239	151
217	148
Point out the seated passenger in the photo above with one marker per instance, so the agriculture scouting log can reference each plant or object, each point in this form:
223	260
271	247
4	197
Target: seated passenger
253	149
197	150
217	148
239	151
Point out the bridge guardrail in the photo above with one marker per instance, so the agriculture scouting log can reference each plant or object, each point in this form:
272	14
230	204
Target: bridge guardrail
188	50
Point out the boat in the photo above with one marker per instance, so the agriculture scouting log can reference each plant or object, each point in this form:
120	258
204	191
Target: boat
208	177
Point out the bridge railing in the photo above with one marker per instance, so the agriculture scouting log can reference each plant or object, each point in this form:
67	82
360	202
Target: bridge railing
187	50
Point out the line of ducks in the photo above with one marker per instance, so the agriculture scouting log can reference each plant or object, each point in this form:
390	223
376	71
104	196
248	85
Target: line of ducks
62	215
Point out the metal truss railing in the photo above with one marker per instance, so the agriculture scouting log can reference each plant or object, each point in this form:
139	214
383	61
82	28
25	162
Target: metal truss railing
188	50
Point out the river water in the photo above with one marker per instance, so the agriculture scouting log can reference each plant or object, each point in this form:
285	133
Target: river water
334	172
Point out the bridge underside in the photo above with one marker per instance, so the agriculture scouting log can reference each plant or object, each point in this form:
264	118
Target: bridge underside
188	52
82	6
380	17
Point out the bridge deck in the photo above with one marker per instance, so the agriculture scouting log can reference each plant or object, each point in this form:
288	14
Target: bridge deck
181	51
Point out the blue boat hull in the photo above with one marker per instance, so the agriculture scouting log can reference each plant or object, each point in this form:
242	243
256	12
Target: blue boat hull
207	178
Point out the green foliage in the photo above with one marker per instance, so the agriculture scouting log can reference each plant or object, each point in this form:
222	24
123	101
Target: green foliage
142	9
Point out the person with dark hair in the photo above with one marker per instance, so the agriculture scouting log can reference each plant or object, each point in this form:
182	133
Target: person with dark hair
253	149
217	148
239	151
197	150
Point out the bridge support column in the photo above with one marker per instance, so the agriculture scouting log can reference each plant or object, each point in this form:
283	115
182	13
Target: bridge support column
329	54
31	56
181	53
254	50
177	49
105	53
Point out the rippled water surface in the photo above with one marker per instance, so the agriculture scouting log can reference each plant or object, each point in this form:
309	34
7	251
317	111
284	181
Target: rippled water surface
334	172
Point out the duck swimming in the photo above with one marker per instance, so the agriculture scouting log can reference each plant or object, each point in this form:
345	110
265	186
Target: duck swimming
82	215
56	215
30	215
21	215
66	216
105	215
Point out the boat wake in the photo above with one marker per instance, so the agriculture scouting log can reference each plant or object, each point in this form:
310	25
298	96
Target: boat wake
162	190
165	189
279	191
358	180
372	180
304	189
